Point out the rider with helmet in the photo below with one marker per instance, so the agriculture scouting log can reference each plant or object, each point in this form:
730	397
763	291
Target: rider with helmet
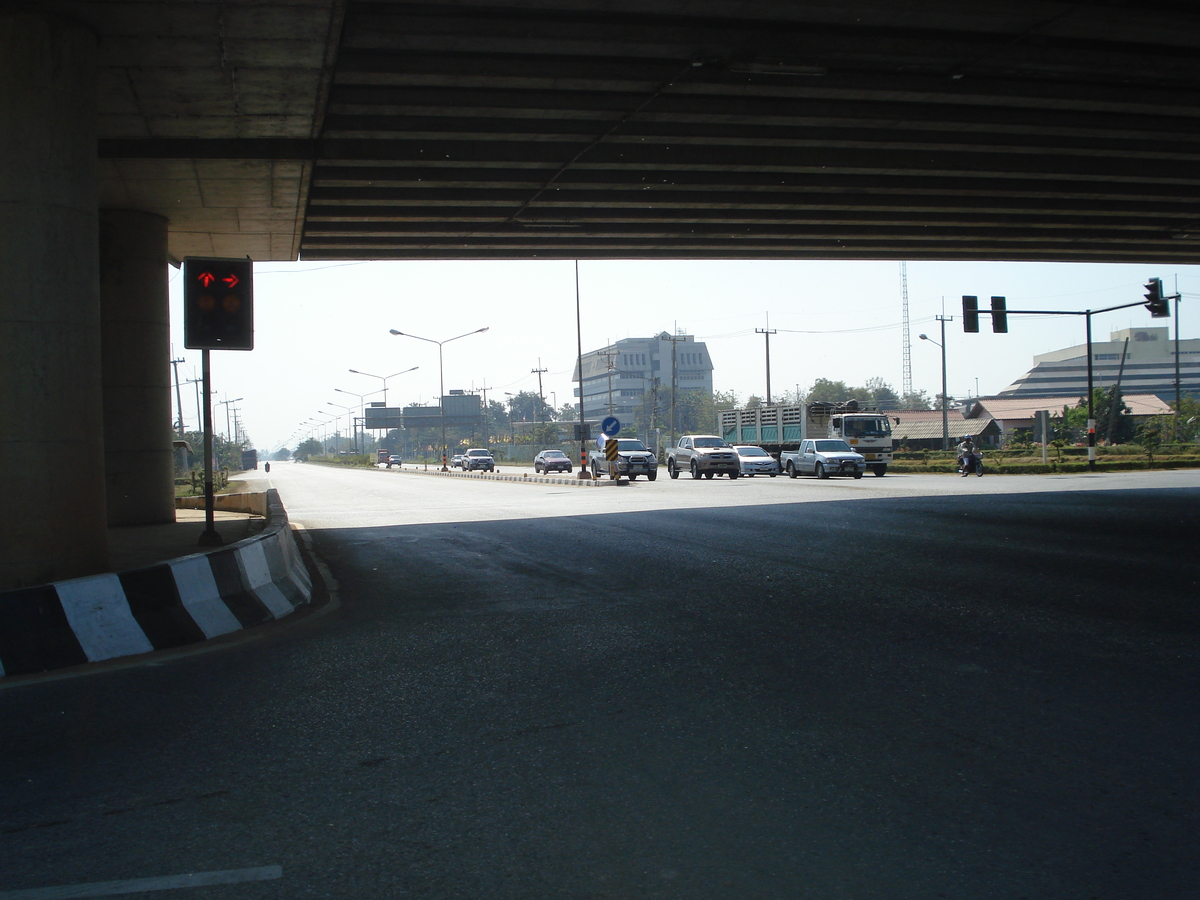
967	454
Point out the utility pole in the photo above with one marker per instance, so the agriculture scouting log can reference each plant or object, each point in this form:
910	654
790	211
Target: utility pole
178	397
674	339
609	356
541	398
766	333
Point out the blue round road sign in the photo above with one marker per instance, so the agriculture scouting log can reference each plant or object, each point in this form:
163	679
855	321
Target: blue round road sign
611	426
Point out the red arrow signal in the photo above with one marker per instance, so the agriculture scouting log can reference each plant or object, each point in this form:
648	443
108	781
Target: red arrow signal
231	280
206	278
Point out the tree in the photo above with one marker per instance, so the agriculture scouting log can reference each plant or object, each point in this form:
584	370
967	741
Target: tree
916	400
1103	407
754	401
527	406
311	447
1150	436
829	391
881	394
1188	420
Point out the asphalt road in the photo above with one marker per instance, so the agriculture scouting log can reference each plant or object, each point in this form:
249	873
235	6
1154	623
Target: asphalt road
908	687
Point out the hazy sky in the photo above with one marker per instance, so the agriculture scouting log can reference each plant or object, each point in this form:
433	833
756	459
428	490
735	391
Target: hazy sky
836	320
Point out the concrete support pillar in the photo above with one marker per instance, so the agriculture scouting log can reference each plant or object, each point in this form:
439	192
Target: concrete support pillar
51	427
136	346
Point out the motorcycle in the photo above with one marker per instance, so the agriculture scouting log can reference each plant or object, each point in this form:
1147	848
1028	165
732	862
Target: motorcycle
971	463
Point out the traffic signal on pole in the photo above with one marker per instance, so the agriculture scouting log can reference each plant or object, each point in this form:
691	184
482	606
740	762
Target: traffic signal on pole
1156	302
999	316
970	314
218	304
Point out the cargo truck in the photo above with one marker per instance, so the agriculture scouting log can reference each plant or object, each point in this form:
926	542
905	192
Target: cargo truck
780	429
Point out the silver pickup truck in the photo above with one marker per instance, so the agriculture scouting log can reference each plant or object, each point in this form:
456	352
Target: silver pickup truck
703	454
823	457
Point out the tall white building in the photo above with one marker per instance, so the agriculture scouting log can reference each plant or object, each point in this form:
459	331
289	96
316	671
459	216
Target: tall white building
617	377
1149	367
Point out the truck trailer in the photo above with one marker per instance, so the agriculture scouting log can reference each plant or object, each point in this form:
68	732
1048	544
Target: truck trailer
780	429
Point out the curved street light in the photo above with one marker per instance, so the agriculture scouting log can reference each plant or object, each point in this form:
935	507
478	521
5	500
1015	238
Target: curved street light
441	376
942	345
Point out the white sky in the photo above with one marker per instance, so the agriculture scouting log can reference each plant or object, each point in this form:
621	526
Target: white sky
836	320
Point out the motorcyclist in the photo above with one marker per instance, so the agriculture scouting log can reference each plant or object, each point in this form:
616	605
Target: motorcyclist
966	455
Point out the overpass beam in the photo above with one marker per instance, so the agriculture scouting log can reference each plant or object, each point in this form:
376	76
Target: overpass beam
51	423
136	347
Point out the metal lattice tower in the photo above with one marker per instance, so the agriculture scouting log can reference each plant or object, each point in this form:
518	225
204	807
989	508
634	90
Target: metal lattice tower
906	378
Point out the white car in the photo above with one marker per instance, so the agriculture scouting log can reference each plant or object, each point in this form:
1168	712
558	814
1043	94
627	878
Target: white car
756	461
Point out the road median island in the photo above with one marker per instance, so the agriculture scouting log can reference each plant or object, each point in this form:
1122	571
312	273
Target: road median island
170	604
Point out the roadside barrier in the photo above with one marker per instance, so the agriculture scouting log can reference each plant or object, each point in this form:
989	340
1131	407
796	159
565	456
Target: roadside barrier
170	604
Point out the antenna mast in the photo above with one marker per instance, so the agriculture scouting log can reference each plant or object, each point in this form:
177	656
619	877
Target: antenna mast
906	383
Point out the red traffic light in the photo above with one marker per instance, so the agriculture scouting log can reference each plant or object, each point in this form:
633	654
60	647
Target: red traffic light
218	300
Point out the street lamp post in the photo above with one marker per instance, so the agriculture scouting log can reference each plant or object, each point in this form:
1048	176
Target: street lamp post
942	346
384	379
349	411
441	377
361	406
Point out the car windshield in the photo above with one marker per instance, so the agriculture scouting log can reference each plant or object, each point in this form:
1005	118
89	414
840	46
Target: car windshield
630	445
709	442
752	451
833	447
553	454
478	453
863	426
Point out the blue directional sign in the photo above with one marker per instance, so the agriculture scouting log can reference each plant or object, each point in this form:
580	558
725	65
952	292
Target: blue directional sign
611	426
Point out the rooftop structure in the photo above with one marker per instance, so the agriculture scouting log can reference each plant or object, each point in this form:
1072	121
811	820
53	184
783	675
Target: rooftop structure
1149	367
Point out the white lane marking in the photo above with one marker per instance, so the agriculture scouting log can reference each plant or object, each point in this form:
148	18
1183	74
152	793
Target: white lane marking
142	885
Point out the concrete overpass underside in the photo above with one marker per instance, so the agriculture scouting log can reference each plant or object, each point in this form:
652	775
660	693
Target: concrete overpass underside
658	128
134	133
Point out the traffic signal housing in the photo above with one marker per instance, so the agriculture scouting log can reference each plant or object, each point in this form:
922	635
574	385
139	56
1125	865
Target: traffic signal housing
1156	302
999	315
218	303
970	314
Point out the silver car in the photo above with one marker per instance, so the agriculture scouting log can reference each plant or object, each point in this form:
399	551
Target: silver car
756	461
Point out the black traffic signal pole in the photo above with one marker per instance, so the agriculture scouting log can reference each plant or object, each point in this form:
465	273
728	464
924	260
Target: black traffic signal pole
209	537
1087	313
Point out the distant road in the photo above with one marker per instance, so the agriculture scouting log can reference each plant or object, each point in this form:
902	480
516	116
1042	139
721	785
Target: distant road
907	687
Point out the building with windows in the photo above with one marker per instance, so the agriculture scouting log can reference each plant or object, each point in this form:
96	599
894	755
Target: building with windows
1149	367
616	378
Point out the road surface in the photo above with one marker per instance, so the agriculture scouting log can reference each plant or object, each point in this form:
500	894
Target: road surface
907	687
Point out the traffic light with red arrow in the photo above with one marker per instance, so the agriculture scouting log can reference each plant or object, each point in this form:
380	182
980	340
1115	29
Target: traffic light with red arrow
218	304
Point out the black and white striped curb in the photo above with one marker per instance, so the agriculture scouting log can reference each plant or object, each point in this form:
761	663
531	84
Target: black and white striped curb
172	604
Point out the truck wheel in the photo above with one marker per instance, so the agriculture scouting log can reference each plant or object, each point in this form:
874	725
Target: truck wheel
820	471
709	475
671	470
695	471
791	470
651	476
733	475
595	471
858	474
879	470
633	478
